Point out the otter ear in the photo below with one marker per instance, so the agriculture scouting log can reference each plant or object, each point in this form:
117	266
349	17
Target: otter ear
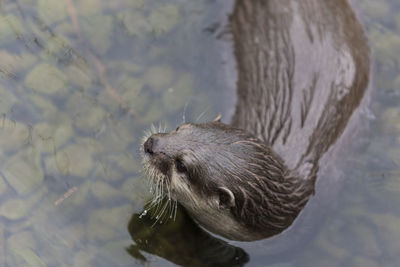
218	118
226	198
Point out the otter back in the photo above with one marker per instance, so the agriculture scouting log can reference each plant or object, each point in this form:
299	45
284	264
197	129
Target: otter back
303	68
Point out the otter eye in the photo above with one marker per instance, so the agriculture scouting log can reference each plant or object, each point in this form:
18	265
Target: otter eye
180	167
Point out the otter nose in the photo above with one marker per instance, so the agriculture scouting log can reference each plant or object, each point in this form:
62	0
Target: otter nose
148	145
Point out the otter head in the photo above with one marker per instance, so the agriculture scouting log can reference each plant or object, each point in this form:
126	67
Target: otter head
228	180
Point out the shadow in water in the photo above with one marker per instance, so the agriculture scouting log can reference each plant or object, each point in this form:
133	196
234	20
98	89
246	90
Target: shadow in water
182	242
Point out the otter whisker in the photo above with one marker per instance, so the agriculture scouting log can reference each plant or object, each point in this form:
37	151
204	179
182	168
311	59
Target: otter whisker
168	190
154	203
174	210
164	212
157	199
157	206
228	177
159	187
162	128
158	214
161	204
164	208
168	193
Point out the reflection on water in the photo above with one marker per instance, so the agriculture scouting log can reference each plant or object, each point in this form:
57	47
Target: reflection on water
182	242
80	81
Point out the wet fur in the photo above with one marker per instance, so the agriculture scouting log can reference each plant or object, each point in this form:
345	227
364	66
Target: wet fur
267	196
303	69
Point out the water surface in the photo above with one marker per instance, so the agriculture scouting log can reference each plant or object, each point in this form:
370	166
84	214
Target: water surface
80	82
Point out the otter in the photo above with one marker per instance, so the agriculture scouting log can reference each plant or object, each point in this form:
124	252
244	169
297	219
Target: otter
303	68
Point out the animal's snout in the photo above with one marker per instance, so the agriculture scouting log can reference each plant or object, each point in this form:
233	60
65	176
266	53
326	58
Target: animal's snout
155	144
148	145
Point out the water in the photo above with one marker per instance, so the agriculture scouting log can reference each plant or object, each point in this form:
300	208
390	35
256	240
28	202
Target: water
81	81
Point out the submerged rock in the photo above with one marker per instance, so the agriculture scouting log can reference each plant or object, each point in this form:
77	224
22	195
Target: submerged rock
388	230
7	100
27	257
87	115
14	209
75	159
52	11
163	18
105	224
3	187
23	172
21	250
46	79
13	135
85	256
100	37
10	28
104	192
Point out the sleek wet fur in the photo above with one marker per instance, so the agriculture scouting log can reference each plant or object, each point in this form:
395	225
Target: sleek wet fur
303	68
